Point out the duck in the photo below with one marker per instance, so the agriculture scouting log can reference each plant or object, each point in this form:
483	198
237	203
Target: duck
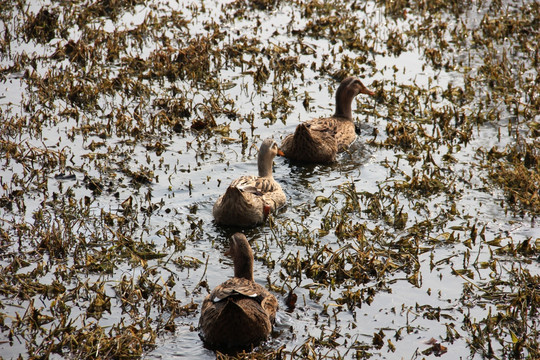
320	140
239	313
249	200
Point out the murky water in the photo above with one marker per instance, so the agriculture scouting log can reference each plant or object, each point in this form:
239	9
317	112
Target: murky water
424	295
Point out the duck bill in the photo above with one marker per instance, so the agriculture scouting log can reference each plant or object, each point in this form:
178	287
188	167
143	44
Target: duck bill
280	153
367	92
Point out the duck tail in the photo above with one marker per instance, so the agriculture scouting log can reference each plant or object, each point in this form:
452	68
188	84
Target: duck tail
293	144
302	131
233	191
236	324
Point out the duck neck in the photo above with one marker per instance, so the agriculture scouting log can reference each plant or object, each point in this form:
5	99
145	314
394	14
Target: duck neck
244	268
344	112
265	166
343	103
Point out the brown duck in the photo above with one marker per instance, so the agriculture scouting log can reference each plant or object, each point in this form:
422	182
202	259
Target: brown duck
249	199
319	140
238	313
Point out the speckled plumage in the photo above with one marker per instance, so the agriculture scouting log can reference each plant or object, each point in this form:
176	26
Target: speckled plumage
238	313
249	199
319	140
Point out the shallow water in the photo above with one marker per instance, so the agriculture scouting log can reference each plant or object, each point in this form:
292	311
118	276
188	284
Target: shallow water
432	260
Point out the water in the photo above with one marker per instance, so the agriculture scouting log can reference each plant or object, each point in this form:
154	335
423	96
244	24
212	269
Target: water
423	297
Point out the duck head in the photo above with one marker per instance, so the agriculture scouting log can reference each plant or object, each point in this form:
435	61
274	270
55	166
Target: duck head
346	92
268	151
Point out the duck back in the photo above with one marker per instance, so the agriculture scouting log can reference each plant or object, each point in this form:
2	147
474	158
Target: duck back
234	323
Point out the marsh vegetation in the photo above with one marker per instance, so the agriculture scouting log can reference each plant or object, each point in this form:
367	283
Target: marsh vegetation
122	121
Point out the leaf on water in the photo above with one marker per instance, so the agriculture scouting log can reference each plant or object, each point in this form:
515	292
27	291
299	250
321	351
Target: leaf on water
290	301
515	339
378	339
320	201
